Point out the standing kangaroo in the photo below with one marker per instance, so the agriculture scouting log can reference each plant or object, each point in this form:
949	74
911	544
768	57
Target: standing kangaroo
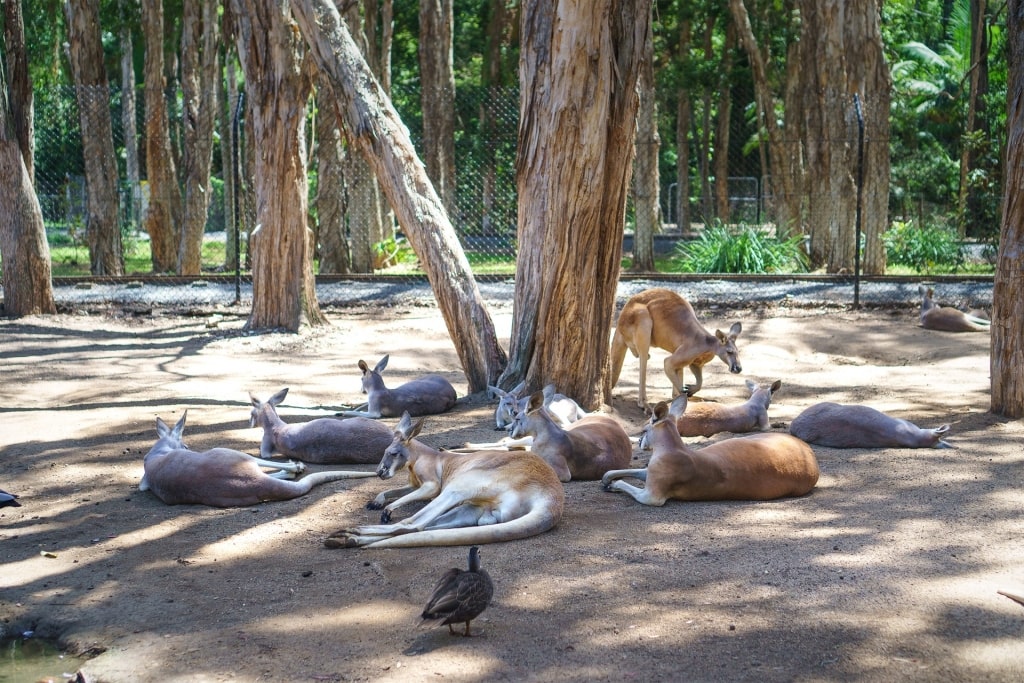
324	441
586	449
756	467
946	319
427	395
854	426
663	319
708	418
221	477
473	498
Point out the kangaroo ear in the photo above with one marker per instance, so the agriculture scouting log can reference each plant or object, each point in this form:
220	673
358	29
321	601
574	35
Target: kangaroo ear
179	427
735	330
414	432
381	364
364	367
536	401
678	406
162	429
519	388
659	412
278	397
495	391
776	385
751	385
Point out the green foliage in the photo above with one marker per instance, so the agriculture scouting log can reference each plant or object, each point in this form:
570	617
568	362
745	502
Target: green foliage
746	249
929	249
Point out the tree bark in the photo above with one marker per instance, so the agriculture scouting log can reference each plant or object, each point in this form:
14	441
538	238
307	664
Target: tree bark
377	131
20	83
723	125
437	96
128	123
163	213
200	71
579	68
1007	357
93	90
684	120
646	181
330	190
24	252
284	290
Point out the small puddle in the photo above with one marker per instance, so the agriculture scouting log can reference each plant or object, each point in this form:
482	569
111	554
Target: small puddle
32	660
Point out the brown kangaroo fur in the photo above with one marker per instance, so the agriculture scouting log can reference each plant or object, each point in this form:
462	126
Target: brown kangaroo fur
946	319
708	418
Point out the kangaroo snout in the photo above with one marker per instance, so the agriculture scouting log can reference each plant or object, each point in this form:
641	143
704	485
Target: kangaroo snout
735	368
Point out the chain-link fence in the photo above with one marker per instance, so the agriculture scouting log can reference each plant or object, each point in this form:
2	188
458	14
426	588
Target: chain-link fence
484	199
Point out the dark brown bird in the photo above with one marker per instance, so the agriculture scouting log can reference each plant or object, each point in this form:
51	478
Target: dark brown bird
460	596
8	500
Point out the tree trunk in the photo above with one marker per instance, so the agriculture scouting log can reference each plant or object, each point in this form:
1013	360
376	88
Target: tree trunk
200	71
646	182
163	214
269	47
24	252
377	131
20	85
723	125
330	191
227	96
491	78
579	68
1007	303
437	96
684	120
128	123
977	89
86	53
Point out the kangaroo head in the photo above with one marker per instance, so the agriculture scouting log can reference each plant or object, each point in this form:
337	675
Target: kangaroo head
727	347
170	438
262	408
397	455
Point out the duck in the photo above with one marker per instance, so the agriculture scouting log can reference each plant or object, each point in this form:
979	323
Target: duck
460	595
8	500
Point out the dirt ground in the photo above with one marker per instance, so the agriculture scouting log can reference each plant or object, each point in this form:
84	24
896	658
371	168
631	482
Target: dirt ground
888	570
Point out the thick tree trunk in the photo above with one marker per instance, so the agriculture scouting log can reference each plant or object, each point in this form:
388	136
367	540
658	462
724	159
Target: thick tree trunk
330	191
377	131
646	181
200	71
1007	303
19	83
579	68
103	230
437	96
24	252
163	215
284	290
723	125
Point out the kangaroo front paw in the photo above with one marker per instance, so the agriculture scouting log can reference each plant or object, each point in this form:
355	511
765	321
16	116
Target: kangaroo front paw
374	505
385	517
299	466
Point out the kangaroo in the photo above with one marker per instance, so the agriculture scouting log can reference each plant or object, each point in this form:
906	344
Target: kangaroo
563	409
427	395
708	419
474	498
756	467
946	319
663	319
506	404
586	449
221	477
324	441
853	426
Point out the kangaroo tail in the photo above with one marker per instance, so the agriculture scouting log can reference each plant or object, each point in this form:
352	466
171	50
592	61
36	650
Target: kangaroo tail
536	521
304	485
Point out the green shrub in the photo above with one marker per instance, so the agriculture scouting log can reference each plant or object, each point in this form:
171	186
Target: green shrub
746	249
926	250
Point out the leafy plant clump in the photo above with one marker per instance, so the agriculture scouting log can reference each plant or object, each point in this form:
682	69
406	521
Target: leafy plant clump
926	249
745	249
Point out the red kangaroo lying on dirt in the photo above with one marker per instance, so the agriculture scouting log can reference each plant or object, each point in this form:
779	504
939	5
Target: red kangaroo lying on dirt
474	498
946	319
586	449
853	426
324	441
708	418
427	395
757	467
663	319
221	477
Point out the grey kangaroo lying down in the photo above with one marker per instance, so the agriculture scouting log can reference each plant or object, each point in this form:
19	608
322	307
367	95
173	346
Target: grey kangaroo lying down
855	426
221	477
426	395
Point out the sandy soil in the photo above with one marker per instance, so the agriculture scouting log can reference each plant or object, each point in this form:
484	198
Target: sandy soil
889	570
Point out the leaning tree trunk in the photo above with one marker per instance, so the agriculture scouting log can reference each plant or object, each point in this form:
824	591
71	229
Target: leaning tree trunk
86	53
163	213
200	71
283	286
378	132
579	67
645	169
1007	304
24	252
437	96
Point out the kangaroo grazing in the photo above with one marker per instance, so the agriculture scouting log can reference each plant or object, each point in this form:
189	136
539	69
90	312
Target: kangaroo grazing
854	426
586	449
427	395
708	418
946	319
756	467
221	477
663	319
474	498
324	441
